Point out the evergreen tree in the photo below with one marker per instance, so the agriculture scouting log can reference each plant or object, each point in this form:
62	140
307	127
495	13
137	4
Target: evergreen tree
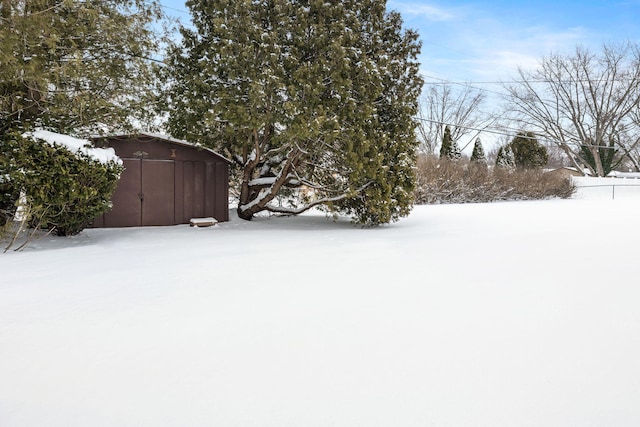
528	153
445	147
610	157
500	156
70	64
505	158
478	155
450	148
310	98
9	194
455	153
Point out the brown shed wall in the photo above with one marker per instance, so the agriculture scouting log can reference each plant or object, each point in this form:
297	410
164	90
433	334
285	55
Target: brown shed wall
165	183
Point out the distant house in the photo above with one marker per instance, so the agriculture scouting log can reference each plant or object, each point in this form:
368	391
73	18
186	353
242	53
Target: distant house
626	175
166	181
565	171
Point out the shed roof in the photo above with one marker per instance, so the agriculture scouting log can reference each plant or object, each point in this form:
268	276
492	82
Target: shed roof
167	138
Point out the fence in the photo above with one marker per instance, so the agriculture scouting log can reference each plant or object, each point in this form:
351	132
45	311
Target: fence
606	188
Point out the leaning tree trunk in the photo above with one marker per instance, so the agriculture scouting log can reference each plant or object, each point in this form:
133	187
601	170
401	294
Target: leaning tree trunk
256	191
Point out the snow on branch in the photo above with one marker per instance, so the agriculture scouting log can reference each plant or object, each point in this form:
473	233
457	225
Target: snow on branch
270	180
76	145
324	200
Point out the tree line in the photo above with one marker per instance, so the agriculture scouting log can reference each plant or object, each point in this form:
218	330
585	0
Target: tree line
585	105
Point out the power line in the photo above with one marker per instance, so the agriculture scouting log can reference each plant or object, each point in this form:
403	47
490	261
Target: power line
469	85
487	130
174	9
503	82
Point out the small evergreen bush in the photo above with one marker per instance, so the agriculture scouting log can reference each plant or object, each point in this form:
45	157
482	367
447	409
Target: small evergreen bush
63	190
8	192
478	154
8	199
505	158
528	153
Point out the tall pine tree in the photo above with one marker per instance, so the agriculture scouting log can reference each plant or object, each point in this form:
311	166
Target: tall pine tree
313	100
72	65
449	148
478	155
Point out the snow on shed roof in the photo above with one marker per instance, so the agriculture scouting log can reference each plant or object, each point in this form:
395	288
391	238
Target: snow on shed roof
169	138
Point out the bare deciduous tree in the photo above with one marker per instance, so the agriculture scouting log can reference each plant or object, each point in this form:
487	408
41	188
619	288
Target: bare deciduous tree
442	105
629	141
584	102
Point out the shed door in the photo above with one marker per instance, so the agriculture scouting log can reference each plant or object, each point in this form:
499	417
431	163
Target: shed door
157	189
144	196
127	208
194	190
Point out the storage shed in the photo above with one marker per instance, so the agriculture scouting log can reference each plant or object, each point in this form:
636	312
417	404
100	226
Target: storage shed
166	181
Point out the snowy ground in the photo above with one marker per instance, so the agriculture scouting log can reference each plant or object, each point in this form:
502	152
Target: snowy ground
504	314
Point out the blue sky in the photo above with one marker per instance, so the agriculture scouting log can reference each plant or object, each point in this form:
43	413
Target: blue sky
484	41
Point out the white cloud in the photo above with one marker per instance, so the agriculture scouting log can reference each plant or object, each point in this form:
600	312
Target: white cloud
475	46
500	53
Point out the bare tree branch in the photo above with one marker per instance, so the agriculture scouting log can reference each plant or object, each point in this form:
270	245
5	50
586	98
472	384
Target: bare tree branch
582	102
441	106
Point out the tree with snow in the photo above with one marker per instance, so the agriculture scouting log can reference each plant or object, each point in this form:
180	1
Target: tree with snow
505	158
478	155
78	67
312	100
64	183
449	148
74	66
71	66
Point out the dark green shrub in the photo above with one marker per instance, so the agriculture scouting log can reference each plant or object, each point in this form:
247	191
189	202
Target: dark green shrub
528	153
8	193
8	199
63	190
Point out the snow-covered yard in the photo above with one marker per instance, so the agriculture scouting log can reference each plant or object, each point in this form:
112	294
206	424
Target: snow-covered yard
503	314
